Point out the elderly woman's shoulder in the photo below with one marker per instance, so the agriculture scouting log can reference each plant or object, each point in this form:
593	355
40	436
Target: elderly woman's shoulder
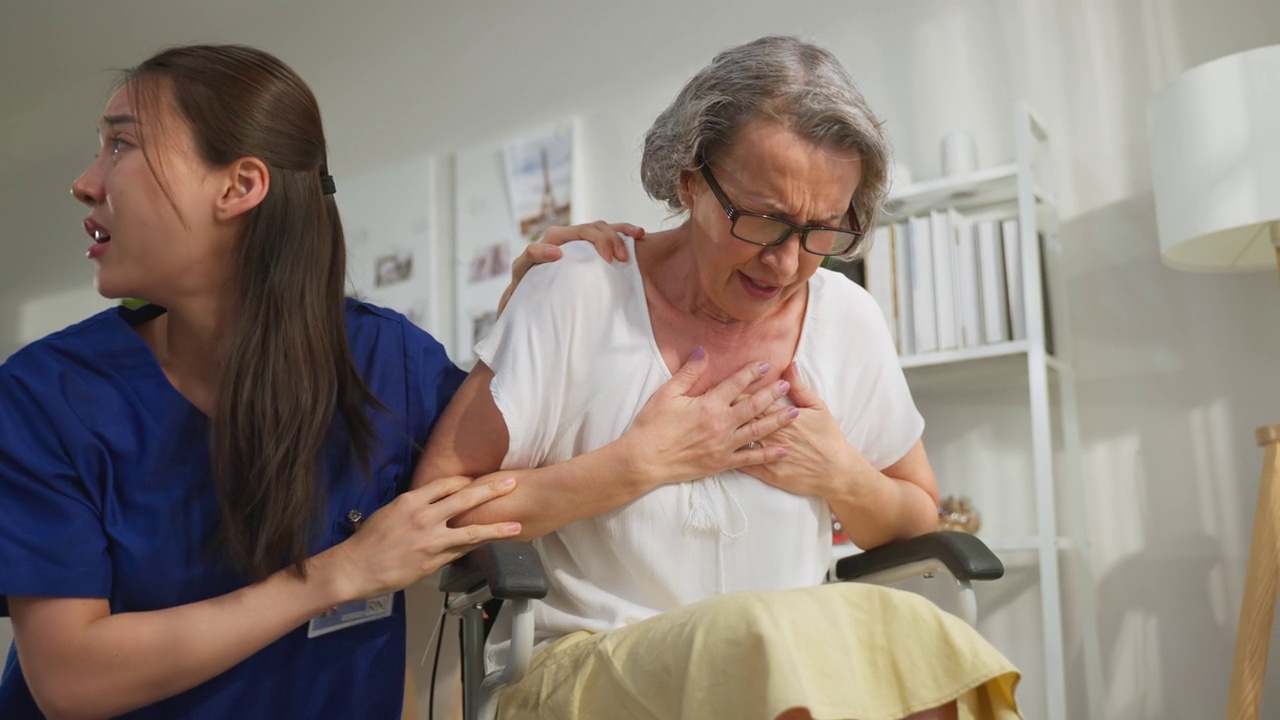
838	284
841	298
579	274
581	261
582	251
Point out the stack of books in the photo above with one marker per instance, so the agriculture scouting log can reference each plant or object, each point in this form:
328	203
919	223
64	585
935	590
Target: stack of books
946	281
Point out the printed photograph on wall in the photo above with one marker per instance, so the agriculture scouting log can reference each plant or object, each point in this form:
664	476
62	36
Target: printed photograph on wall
395	267
484	246
490	261
388	219
507	192
539	166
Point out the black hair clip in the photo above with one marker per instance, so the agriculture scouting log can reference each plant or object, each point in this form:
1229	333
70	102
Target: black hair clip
326	184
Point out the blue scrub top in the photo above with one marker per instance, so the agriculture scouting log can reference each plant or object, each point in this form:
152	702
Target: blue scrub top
106	492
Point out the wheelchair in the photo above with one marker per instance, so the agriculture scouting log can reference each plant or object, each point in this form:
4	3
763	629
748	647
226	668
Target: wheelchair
511	572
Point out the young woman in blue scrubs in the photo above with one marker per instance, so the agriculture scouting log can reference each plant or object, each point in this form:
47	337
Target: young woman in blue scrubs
202	506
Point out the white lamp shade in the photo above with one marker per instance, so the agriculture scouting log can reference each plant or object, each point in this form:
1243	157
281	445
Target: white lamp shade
1215	163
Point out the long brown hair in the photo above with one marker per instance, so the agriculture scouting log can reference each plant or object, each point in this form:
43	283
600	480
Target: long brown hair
288	373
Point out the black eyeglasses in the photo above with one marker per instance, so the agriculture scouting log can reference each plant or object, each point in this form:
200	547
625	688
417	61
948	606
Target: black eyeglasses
767	230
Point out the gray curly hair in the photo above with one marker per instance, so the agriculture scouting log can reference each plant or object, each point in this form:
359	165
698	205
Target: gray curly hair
785	79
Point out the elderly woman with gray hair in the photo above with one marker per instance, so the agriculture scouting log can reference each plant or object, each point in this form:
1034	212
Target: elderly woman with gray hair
681	501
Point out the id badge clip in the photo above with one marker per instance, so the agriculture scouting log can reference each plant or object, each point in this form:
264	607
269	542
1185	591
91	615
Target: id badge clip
352	612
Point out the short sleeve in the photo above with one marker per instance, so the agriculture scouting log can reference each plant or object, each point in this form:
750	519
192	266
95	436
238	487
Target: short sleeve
432	377
879	415
549	335
52	541
901	425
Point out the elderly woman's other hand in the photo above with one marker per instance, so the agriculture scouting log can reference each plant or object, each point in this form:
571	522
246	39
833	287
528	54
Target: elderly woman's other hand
678	437
819	459
604	236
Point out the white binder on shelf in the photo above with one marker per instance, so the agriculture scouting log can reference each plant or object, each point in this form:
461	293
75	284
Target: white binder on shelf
1012	243
968	296
924	308
991	282
944	277
902	290
878	275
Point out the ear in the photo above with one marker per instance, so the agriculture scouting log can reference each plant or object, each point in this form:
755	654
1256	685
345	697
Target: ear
687	185
245	185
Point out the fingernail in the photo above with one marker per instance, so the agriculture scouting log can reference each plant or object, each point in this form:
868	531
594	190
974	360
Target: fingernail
513	528
793	412
780	453
764	368
506	482
699	353
783	386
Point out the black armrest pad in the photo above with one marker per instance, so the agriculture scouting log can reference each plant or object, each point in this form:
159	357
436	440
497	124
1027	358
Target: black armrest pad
966	557
511	569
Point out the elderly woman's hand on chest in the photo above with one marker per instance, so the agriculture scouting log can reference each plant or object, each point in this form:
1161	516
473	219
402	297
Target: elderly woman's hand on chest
820	462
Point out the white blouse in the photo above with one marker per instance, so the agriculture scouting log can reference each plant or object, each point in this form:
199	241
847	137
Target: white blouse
574	360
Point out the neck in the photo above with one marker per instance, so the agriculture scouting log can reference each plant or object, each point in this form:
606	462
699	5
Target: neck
670	267
189	341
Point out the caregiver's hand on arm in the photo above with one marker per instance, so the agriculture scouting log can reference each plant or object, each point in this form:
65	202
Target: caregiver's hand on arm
604	236
675	437
875	506
411	537
82	661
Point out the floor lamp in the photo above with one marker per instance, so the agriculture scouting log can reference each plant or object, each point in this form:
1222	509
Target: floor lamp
1215	166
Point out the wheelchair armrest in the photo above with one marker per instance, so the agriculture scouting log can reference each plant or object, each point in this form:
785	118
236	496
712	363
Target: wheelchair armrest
965	556
509	568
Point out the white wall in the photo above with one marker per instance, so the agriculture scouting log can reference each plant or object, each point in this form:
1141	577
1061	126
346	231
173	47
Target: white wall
1172	366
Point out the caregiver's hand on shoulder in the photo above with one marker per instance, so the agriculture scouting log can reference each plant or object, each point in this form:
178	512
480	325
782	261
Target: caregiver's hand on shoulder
604	236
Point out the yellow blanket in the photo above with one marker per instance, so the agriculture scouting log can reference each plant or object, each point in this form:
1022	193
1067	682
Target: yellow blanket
843	651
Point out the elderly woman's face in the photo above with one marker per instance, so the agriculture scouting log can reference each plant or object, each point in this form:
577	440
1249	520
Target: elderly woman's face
768	169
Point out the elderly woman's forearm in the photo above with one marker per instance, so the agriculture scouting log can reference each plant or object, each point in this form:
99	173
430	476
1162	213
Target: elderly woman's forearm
891	510
548	498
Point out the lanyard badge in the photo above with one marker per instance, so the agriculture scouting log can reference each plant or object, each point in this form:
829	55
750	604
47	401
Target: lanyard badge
352	612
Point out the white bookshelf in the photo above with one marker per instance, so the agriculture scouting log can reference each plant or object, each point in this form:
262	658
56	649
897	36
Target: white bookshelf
1049	532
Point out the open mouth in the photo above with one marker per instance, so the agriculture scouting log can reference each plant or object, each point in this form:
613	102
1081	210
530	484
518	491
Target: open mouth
96	231
758	289
101	239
